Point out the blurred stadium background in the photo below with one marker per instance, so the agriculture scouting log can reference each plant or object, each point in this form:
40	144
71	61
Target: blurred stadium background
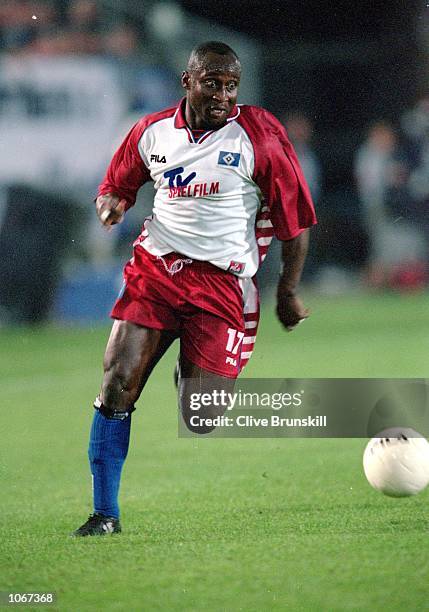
285	525
350	84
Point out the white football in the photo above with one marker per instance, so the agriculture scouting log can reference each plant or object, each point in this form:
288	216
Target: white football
396	462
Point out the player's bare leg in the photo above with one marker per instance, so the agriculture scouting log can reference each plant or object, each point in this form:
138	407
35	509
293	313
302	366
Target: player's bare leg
194	379
131	354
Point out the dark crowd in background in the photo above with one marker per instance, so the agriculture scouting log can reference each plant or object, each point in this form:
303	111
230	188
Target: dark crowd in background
63	27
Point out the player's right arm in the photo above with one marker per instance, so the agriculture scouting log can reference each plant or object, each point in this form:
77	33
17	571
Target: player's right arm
125	175
110	209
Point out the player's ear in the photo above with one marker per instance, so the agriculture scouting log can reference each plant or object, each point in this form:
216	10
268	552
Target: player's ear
185	80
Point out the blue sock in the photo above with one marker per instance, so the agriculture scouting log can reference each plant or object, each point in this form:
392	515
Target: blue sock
108	448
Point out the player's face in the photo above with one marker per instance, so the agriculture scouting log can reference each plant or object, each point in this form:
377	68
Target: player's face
211	92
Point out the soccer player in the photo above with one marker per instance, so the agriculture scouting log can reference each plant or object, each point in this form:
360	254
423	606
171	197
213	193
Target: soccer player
226	179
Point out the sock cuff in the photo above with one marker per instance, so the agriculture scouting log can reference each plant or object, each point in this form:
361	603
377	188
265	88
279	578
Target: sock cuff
117	415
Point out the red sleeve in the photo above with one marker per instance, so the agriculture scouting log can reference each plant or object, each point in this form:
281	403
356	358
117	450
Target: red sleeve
278	174
127	172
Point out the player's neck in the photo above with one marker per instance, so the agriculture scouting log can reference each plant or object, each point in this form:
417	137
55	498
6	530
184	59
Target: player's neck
193	122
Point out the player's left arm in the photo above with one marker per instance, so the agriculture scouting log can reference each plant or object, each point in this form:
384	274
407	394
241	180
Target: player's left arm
288	198
290	308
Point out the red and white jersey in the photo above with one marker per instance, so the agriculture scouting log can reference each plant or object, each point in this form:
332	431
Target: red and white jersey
219	198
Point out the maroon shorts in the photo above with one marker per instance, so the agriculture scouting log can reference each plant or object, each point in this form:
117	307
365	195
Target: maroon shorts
214	313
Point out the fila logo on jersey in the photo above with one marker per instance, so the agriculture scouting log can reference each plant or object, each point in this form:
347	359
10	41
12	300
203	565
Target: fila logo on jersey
158	159
226	158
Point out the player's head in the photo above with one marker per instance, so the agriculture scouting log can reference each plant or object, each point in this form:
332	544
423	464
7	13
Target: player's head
211	80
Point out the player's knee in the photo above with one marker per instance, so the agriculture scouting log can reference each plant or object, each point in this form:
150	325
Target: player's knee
203	400
202	421
118	390
197	425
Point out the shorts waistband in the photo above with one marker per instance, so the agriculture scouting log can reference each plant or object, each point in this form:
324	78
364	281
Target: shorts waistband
175	262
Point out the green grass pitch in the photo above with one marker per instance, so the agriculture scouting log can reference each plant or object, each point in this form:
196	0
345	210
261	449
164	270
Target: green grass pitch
211	524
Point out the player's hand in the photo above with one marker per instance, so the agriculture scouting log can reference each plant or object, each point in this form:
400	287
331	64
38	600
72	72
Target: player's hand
290	310
110	209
